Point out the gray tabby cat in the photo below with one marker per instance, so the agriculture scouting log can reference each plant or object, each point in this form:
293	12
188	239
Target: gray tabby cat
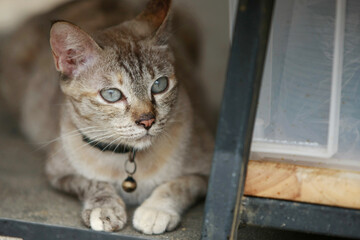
121	92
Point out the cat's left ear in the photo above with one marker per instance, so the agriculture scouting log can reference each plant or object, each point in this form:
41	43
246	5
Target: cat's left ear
156	16
72	48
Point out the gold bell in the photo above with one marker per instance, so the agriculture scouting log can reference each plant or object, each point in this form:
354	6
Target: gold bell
129	184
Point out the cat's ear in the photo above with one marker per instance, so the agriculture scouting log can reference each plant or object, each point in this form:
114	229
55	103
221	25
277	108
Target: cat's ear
72	48
156	16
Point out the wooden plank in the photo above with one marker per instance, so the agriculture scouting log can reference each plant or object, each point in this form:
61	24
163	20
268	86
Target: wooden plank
305	184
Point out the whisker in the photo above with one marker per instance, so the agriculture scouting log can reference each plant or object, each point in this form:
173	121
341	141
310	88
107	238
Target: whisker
74	133
115	147
102	136
166	135
66	133
116	139
97	140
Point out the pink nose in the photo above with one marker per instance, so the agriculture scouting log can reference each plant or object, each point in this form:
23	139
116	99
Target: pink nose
147	123
146	120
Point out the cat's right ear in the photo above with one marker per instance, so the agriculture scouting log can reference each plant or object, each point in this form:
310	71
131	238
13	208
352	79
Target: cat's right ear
72	48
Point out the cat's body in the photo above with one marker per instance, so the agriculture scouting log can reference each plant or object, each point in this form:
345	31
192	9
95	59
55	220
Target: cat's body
173	146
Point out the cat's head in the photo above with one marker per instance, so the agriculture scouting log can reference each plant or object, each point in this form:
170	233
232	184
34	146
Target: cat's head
120	86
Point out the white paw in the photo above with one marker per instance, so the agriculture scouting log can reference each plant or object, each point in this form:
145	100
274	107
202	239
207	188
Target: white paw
150	220
95	222
105	219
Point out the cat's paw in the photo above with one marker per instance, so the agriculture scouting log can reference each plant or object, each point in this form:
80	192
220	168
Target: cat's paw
152	220
105	218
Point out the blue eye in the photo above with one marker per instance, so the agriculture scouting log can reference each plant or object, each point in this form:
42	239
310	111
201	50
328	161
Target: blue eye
111	94
160	85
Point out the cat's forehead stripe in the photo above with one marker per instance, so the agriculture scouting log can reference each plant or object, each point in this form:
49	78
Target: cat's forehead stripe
124	59
126	67
132	61
150	70
119	78
137	58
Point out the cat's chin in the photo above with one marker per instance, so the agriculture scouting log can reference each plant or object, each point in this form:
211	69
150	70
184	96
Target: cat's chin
143	142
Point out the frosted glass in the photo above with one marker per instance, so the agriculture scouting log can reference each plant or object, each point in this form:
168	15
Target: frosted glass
294	103
349	134
295	95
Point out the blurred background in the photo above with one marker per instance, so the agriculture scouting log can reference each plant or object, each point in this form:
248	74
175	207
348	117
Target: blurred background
212	16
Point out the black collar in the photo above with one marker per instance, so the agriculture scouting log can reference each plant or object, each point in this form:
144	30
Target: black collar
116	148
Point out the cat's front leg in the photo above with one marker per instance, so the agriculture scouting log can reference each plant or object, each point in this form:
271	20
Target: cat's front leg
162	210
103	209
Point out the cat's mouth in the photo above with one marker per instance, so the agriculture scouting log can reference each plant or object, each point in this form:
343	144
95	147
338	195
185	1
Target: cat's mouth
141	142
147	136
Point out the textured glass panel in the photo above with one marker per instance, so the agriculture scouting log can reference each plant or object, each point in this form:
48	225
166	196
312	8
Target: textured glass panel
349	134
294	103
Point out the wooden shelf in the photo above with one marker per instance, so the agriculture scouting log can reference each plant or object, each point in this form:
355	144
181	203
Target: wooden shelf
305	184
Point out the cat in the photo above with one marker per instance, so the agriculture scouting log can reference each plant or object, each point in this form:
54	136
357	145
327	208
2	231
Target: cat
107	92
